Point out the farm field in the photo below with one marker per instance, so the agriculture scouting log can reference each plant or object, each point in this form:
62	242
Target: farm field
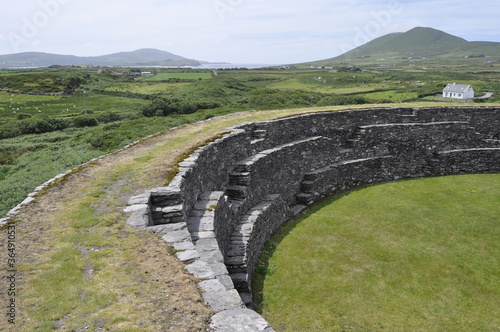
145	87
11	105
417	255
180	76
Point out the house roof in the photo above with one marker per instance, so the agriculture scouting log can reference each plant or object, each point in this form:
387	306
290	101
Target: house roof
454	87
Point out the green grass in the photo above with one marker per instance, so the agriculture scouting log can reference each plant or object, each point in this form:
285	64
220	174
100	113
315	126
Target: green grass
61	290
181	76
419	255
147	88
13	104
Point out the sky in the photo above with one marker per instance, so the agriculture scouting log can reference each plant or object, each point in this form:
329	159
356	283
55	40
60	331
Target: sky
235	31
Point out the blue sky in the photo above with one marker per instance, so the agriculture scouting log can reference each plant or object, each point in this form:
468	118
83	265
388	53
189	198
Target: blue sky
236	31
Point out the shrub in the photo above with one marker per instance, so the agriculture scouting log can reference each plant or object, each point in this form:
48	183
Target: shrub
164	107
108	117
342	100
85	121
22	116
9	131
35	126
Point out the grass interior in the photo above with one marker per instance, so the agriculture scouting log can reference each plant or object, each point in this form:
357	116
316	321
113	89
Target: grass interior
418	255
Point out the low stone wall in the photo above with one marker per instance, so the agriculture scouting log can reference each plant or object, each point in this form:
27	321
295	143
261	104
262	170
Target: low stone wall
231	195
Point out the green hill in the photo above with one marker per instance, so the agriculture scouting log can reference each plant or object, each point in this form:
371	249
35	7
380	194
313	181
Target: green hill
416	43
142	57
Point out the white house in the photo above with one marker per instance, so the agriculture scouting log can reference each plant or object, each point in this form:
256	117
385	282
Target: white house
458	91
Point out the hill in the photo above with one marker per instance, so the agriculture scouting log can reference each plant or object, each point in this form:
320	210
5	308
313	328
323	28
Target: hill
142	57
418	42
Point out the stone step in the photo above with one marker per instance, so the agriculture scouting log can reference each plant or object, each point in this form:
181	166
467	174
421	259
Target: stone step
256	141
236	248
247	299
172	211
307	186
200	224
310	176
240	281
165	196
239	179
235	262
237	192
259	133
298	208
305	199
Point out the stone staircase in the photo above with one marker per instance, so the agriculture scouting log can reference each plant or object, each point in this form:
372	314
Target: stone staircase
356	137
244	244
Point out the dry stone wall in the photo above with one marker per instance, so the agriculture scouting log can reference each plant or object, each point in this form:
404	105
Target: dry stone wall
231	195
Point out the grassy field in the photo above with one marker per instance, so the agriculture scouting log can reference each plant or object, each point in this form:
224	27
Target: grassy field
11	105
147	87
180	76
419	255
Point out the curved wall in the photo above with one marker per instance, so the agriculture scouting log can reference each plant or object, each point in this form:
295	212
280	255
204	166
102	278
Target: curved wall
230	196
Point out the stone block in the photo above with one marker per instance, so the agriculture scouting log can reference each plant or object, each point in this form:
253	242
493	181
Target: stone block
177	236
188	245
201	270
139	218
226	281
167	228
140	199
212	285
224	300
239	320
187	255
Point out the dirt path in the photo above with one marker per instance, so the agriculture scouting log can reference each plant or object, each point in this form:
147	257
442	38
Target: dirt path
486	95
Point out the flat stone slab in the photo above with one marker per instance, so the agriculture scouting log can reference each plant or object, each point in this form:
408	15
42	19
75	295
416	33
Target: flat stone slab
139	199
212	195
188	245
224	300
219	268
187	255
177	236
212	285
166	228
201	270
139	218
201	224
135	207
226	281
239	320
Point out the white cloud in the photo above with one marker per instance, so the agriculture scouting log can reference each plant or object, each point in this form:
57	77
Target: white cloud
234	30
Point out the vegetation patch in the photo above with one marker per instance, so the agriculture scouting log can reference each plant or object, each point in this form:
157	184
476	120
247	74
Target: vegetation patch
418	255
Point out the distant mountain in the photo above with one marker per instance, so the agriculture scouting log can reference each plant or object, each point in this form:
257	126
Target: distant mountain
417	42
142	57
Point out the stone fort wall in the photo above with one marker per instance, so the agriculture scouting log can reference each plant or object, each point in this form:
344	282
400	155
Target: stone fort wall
231	195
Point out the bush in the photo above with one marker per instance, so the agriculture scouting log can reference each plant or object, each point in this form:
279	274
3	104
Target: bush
85	121
342	100
108	117
164	107
59	123
106	141
9	131
22	116
35	126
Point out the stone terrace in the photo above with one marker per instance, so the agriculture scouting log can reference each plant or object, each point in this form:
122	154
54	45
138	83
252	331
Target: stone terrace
231	195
